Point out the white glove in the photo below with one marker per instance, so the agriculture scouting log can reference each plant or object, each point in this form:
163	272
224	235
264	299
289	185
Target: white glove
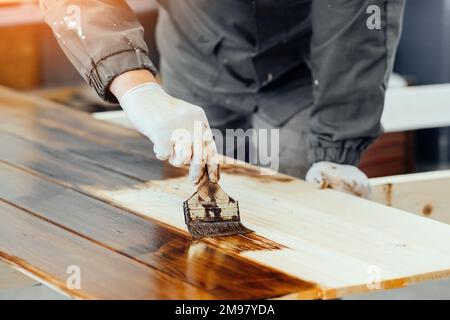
179	130
339	177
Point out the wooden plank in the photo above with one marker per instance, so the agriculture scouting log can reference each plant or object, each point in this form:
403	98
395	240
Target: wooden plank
325	237
426	107
32	112
72	171
11	278
140	166
199	264
322	237
60	162
47	251
425	194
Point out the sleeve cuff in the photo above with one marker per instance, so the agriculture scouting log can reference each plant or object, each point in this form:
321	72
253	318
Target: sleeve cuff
335	155
104	71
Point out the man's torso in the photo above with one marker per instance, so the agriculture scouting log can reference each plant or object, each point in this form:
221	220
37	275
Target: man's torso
238	53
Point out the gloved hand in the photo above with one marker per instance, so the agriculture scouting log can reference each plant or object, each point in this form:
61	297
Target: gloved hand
339	177
179	130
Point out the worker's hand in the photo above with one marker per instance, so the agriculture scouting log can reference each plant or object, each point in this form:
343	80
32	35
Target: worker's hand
179	130
339	177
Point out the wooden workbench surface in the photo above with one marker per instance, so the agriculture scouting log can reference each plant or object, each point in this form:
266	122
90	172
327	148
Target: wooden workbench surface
81	192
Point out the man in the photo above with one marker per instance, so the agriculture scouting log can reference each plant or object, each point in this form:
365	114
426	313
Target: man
315	69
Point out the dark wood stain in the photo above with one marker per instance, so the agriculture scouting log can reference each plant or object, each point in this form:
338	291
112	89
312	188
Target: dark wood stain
235	277
49	154
131	164
42	275
246	242
57	164
171	172
146	242
427	210
80	123
388	194
50	250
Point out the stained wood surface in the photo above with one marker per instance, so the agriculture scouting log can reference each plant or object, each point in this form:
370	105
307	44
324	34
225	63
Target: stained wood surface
81	191
425	106
49	169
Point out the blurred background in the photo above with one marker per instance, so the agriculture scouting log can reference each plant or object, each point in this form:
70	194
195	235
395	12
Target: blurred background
29	56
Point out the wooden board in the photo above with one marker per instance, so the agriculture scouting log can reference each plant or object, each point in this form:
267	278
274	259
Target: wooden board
425	107
96	188
13	279
54	168
425	194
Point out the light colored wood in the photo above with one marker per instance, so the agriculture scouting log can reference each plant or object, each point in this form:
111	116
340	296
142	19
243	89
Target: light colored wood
416	107
330	238
11	278
426	194
44	164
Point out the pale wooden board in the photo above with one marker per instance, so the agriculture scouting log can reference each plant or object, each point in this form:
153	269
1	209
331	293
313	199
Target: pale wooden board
331	239
11	278
425	194
50	149
416	107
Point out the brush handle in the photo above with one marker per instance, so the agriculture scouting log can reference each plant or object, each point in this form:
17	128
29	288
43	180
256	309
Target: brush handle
210	191
205	179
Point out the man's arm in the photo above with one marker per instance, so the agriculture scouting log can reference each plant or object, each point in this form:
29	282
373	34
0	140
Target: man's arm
351	65
352	53
102	38
104	41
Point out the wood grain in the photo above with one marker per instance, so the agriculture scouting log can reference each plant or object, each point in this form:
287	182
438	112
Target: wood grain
425	194
200	264
36	111
333	242
47	251
321	237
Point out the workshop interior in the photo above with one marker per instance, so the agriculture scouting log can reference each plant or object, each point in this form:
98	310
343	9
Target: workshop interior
81	189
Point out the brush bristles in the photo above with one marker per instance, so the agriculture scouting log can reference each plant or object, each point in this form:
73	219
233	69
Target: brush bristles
216	229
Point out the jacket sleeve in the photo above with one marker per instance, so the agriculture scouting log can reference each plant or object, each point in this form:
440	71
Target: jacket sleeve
102	38
351	60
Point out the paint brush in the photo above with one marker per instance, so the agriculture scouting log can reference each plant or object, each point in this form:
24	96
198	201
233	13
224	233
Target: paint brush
210	212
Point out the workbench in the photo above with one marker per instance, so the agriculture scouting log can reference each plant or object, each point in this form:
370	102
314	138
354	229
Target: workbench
81	195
